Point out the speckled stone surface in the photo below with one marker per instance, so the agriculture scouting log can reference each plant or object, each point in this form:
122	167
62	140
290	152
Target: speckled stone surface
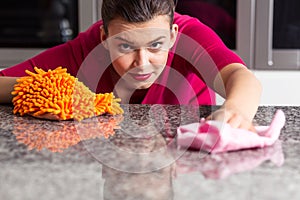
135	156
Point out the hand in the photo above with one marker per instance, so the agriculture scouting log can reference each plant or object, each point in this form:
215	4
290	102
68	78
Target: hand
232	116
48	116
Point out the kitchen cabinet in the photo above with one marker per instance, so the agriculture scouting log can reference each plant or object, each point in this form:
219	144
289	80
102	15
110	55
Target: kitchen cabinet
277	44
266	35
28	28
266	32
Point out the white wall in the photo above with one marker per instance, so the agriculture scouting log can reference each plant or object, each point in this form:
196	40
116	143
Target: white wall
279	87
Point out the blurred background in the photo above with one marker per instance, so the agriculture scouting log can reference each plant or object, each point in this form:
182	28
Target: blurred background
266	34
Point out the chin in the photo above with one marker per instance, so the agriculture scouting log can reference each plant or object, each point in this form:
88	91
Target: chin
144	86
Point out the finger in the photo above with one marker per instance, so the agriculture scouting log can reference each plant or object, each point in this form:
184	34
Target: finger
252	128
235	121
48	116
246	125
208	117
218	115
51	117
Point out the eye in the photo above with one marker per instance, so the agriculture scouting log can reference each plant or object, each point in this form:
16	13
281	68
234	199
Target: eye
156	45
126	47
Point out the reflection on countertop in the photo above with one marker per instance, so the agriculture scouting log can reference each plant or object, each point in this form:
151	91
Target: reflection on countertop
135	156
220	166
60	136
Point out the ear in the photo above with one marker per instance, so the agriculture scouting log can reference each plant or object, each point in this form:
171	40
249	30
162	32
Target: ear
174	33
103	37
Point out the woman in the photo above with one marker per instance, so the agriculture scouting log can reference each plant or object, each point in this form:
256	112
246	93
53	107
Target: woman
146	53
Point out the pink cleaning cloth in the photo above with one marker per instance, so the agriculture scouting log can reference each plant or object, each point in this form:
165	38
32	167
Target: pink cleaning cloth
215	136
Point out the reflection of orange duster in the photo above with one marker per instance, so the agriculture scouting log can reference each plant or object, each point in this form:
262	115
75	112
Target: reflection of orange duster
59	93
58	136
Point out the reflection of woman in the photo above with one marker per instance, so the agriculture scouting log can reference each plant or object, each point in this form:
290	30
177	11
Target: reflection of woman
154	185
156	57
138	169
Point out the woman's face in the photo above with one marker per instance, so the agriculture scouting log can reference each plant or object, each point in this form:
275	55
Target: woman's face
139	51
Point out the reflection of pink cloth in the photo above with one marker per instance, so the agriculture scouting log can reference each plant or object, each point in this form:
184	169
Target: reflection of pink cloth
214	136
222	165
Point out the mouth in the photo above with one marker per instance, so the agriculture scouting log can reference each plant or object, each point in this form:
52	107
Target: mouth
141	77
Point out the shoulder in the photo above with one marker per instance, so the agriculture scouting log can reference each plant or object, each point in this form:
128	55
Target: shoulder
186	22
93	32
193	28
88	39
95	27
182	19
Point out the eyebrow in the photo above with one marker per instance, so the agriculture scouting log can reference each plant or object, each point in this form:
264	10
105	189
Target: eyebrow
127	41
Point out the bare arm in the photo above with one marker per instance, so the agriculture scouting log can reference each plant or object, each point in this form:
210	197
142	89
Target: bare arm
6	85
242	92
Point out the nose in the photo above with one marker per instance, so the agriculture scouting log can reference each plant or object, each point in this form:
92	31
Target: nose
141	57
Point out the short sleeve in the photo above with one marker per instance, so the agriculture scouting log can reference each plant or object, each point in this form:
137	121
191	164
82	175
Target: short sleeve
200	46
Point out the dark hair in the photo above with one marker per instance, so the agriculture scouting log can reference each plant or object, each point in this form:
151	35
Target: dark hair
136	10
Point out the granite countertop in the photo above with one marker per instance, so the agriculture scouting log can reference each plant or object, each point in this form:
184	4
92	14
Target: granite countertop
135	156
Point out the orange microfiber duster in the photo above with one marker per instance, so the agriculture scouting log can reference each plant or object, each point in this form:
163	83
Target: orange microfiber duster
58	93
